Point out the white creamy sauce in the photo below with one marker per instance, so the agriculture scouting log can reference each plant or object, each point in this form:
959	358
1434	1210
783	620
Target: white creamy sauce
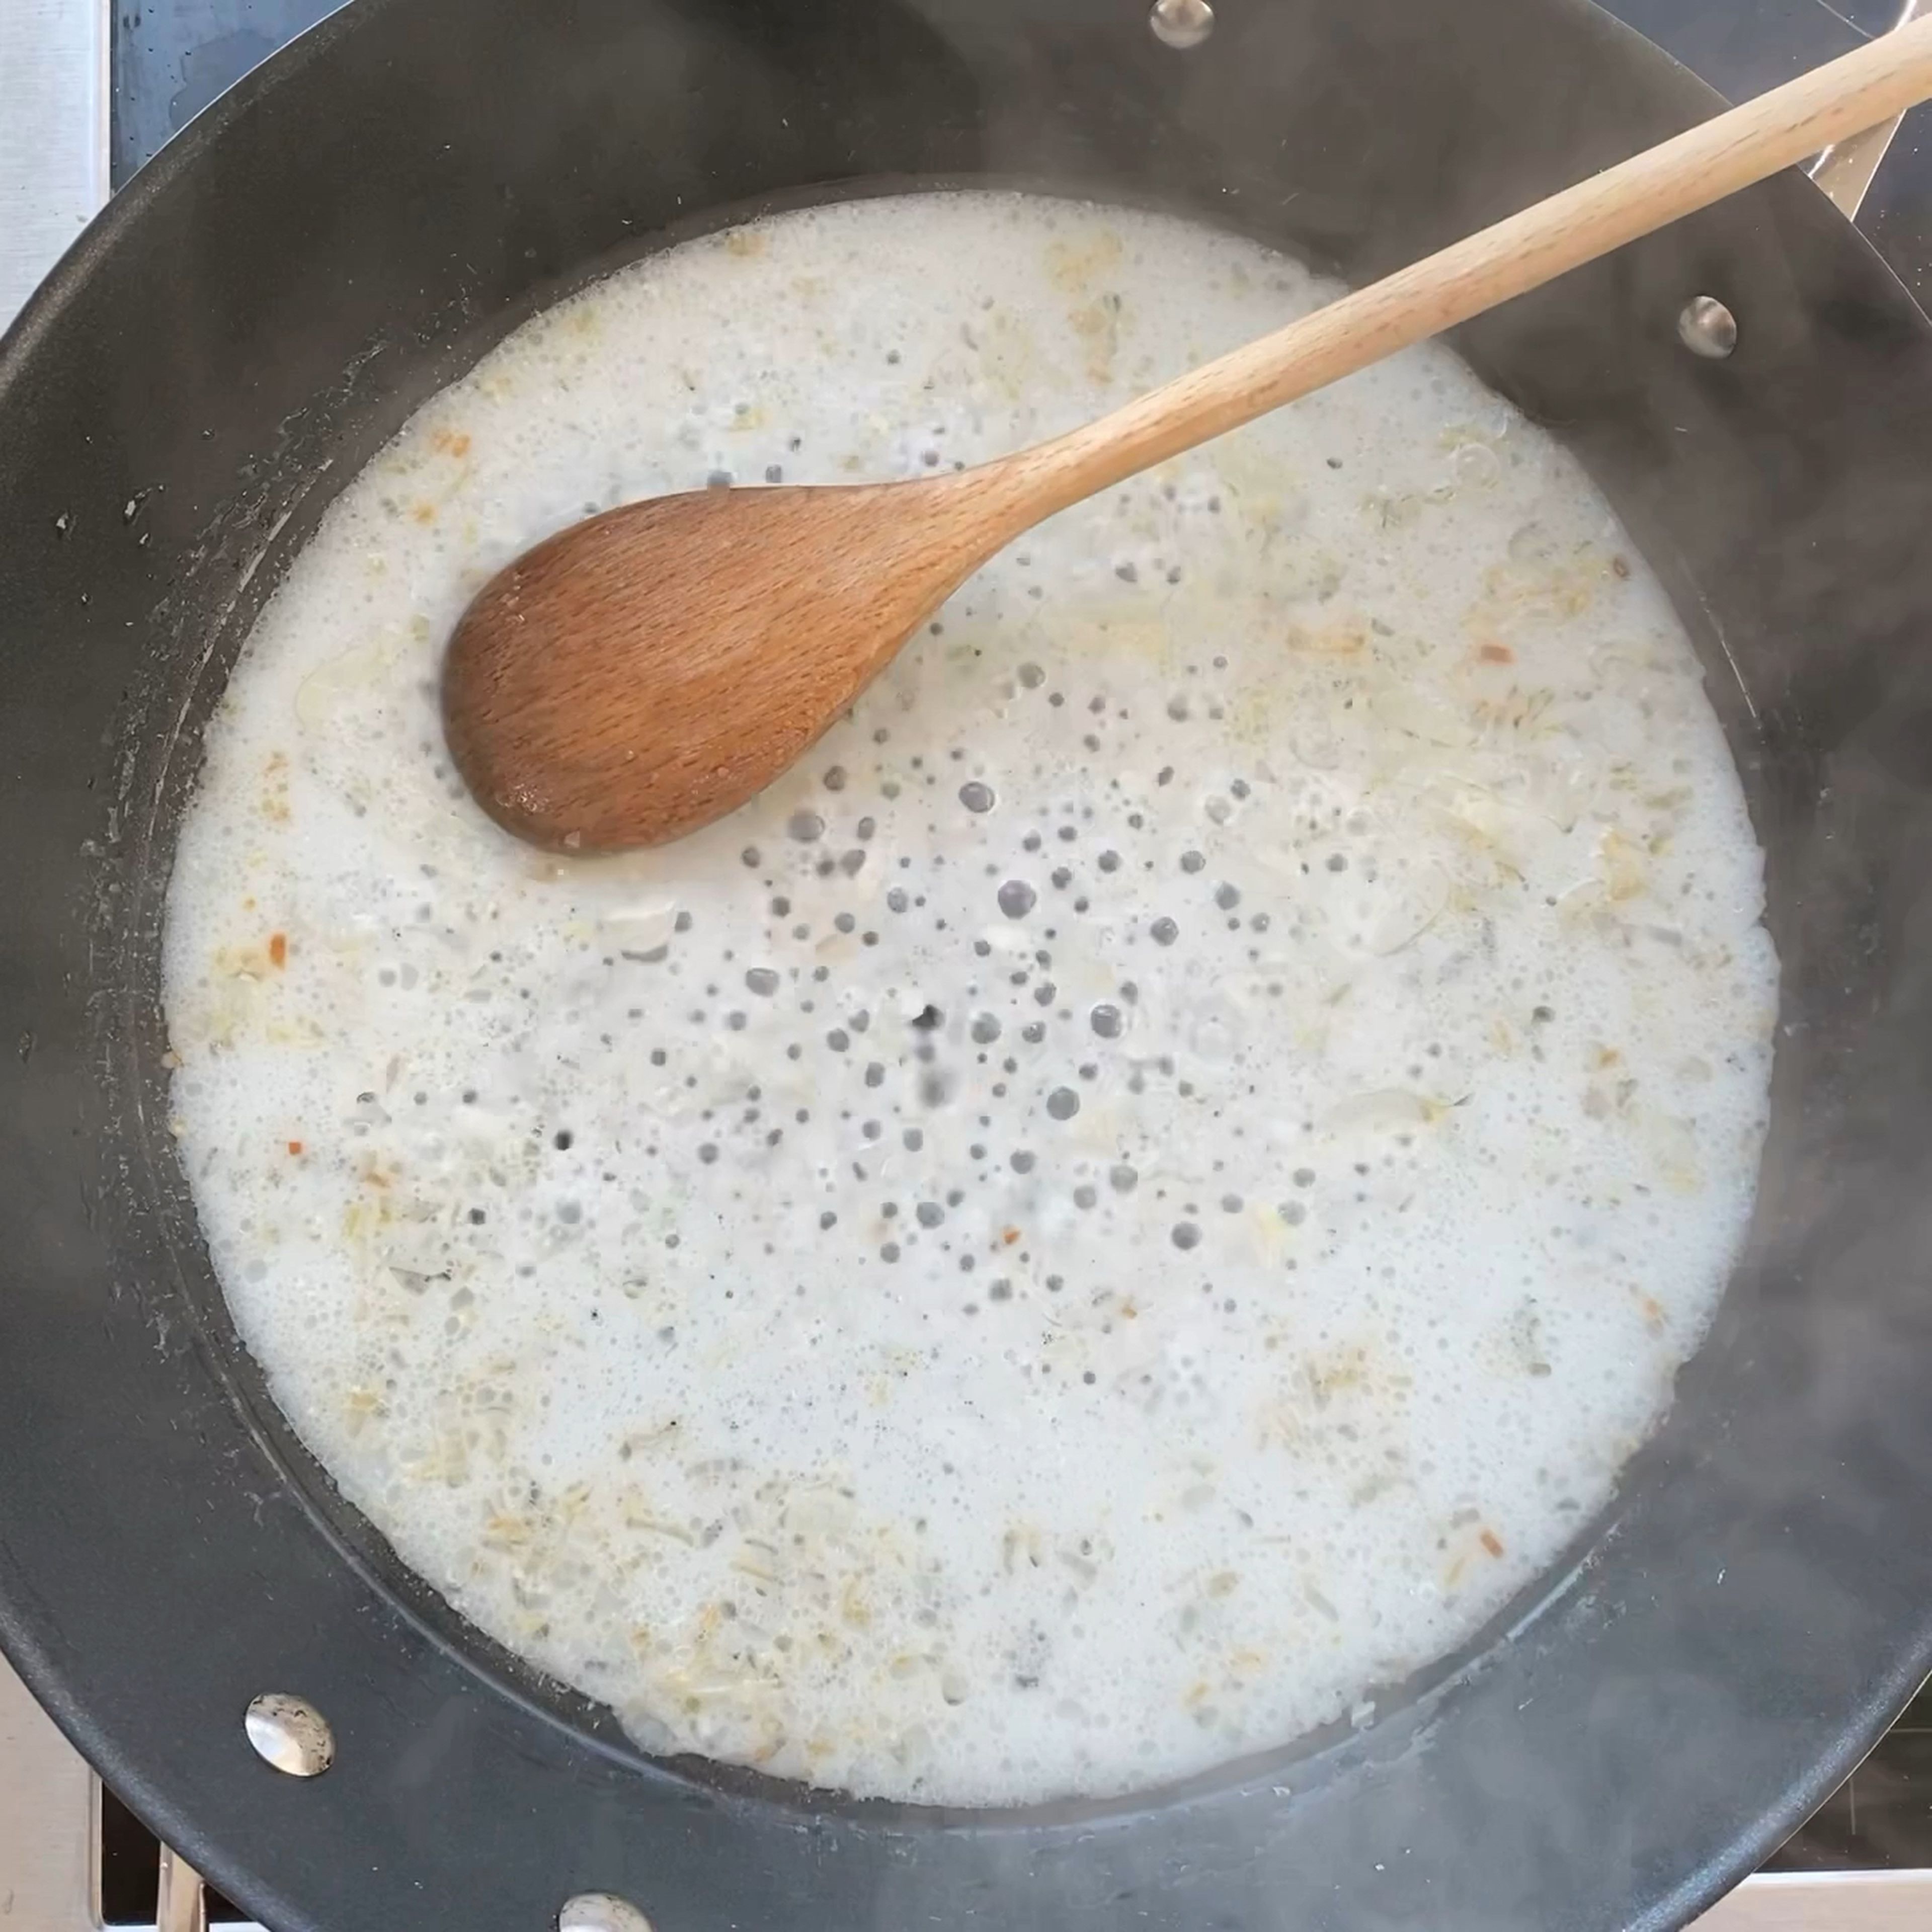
1141	1192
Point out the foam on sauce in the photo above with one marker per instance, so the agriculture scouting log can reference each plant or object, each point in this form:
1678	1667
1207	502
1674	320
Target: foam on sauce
1141	1192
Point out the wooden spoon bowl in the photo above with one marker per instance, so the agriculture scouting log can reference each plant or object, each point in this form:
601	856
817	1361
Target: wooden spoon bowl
593	704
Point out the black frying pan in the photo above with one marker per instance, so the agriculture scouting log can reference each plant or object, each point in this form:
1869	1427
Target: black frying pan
262	308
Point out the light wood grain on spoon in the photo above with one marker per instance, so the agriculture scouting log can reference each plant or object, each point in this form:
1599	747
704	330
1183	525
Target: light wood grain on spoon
643	672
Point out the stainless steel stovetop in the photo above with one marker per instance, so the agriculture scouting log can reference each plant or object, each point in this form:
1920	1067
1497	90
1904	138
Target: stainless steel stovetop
89	90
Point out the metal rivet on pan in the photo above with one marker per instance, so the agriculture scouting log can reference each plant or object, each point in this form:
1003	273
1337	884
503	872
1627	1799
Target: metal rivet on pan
291	1734
1706	328
1181	23
601	1912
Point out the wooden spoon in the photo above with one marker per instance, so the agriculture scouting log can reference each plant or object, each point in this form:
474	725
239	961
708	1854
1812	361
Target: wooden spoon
647	670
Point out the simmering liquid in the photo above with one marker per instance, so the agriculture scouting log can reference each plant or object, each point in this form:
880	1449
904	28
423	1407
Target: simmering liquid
1140	1193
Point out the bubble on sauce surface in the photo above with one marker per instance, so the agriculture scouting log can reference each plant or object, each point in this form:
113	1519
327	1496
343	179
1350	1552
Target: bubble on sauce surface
685	1260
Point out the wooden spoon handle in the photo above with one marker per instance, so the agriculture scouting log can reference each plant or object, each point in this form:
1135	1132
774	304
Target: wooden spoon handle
1522	252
